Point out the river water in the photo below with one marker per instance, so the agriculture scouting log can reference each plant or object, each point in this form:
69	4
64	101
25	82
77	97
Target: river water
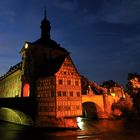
88	130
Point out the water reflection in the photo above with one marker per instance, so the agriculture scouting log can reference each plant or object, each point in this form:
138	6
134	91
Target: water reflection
90	130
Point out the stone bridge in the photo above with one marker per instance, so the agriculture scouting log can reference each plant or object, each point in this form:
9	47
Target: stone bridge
97	106
22	110
18	110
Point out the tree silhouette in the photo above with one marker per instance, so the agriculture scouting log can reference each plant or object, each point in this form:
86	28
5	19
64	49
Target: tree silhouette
109	84
84	84
133	89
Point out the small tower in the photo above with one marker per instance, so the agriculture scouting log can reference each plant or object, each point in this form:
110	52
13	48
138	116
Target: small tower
45	27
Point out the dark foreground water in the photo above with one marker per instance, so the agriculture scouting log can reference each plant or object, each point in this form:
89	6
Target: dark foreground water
89	130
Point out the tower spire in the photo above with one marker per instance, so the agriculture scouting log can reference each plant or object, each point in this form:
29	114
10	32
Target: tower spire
45	17
45	27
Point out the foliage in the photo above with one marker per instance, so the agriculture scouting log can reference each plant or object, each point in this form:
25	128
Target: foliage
96	88
109	84
136	102
132	76
125	105
84	84
131	89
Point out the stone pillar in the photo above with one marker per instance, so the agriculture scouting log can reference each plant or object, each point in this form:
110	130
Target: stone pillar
107	104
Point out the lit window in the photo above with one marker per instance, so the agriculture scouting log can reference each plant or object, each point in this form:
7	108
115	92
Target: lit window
76	83
71	93
59	93
78	94
69	82
64	93
60	82
26	90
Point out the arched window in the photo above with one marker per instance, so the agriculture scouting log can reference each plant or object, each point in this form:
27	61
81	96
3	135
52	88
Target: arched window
26	90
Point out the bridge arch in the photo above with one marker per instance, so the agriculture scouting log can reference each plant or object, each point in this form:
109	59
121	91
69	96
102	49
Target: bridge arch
91	110
15	116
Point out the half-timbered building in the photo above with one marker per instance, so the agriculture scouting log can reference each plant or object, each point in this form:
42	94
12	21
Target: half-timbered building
48	75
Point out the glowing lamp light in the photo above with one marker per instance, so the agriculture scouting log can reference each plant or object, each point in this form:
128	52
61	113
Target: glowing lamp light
26	45
80	123
113	94
79	119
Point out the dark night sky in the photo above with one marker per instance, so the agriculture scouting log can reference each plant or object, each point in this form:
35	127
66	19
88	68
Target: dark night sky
103	36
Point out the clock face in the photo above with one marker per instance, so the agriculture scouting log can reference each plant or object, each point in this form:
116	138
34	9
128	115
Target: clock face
26	90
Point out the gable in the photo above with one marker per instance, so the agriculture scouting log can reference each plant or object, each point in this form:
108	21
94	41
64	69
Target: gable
68	68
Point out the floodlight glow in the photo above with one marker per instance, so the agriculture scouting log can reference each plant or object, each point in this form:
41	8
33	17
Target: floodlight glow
26	45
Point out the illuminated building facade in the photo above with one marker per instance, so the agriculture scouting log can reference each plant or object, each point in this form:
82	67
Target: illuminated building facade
48	75
10	83
59	95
